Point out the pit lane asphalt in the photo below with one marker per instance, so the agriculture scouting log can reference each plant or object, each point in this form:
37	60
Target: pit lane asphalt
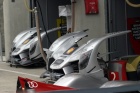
9	75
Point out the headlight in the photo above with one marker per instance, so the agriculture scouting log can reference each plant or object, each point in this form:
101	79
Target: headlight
84	59
17	49
26	41
70	50
58	61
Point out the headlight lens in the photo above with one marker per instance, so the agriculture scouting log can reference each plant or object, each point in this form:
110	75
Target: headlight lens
17	49
70	50
84	59
58	61
26	41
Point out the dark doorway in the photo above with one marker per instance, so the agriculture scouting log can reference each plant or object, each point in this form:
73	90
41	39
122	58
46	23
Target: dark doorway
118	14
48	15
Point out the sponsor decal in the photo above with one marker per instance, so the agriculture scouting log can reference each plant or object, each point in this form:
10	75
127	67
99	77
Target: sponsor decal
32	84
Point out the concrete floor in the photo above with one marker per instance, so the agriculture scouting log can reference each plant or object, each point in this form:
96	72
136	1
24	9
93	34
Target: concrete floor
8	76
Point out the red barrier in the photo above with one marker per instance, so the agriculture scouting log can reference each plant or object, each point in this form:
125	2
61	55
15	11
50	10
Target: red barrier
24	84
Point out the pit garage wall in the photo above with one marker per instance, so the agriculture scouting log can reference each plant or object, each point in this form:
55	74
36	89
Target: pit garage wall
16	19
95	22
1	23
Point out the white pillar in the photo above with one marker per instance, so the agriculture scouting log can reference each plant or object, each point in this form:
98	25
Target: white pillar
16	19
